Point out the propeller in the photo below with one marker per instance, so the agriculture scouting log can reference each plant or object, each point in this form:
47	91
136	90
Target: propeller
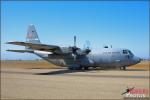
74	49
87	47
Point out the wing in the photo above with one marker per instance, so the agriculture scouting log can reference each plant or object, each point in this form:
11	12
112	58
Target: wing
21	51
35	46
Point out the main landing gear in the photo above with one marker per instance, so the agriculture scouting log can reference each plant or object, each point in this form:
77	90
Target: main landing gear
78	68
86	68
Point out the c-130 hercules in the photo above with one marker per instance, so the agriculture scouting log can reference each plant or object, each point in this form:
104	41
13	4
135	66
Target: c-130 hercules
73	57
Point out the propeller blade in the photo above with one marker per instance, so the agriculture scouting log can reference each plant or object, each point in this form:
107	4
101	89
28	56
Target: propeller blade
87	44
74	57
87	47
74	49
75	41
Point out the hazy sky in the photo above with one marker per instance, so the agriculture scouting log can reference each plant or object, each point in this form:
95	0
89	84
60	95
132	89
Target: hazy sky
120	24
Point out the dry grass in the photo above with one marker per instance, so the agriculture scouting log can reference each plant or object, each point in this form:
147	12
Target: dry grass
143	65
43	64
28	64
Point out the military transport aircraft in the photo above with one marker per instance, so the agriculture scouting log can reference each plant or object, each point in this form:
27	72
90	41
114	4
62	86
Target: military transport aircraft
75	58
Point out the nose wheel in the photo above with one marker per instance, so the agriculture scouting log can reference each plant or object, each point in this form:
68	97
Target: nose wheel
123	68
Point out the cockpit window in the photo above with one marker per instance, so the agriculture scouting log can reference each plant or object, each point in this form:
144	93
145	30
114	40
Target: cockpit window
130	53
125	52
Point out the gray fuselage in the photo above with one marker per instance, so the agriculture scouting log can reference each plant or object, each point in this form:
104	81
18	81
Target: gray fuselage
106	58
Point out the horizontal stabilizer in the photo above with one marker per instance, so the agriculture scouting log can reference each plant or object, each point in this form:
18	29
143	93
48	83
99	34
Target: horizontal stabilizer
21	51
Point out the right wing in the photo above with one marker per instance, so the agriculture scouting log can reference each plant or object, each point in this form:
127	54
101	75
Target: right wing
35	46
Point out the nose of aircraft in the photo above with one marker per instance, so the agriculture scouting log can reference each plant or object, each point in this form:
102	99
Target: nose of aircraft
136	60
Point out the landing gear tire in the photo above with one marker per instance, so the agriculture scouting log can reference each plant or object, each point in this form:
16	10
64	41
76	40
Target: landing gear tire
123	68
86	68
71	68
75	68
79	68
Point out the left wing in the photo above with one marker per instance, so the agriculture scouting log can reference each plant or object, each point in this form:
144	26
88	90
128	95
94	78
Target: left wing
35	46
21	51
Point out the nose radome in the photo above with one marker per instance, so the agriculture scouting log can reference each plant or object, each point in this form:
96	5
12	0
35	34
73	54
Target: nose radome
137	59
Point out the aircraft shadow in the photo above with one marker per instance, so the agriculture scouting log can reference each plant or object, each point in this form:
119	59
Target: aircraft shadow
44	68
62	72
65	71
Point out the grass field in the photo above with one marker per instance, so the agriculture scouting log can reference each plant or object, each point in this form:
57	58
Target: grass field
28	64
44	65
143	65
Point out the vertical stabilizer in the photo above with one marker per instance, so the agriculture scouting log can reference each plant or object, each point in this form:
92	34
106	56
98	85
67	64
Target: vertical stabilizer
32	36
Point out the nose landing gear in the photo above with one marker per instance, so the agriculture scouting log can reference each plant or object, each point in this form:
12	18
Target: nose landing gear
123	68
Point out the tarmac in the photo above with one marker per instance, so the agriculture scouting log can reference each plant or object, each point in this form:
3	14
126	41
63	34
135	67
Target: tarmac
19	83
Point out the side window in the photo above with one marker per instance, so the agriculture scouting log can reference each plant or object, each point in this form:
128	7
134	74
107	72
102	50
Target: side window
125	52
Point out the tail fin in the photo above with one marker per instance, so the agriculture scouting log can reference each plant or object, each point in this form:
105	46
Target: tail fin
32	36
